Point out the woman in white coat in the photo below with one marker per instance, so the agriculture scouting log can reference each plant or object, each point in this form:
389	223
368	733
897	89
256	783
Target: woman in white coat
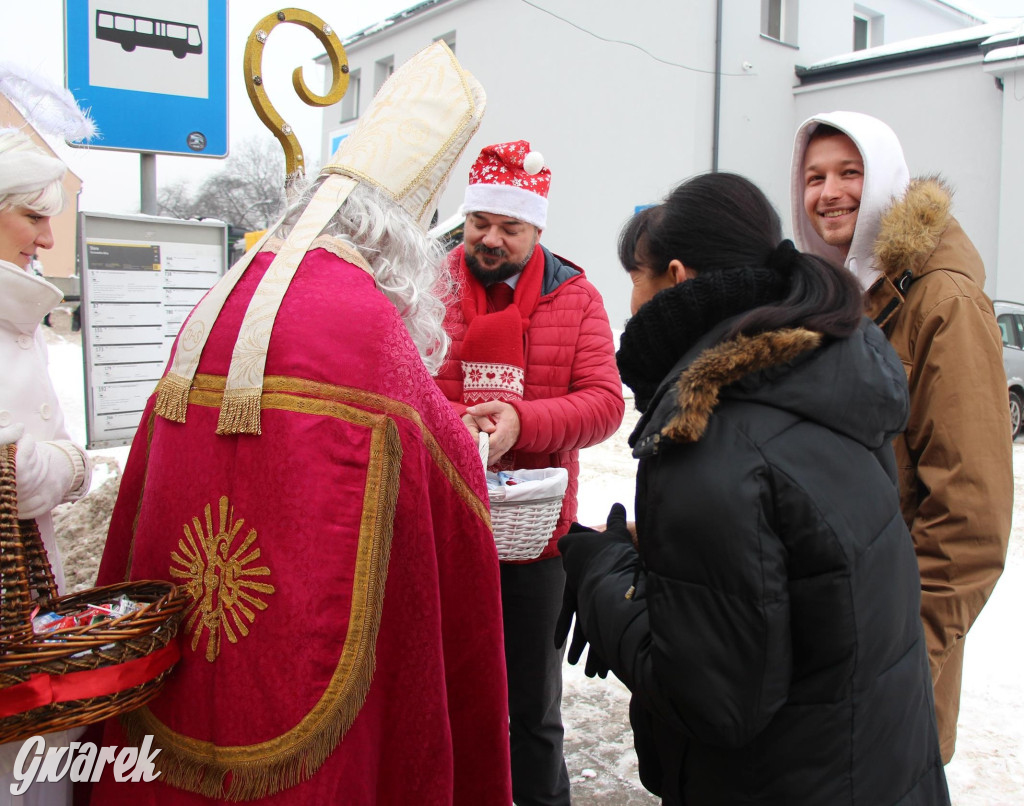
51	468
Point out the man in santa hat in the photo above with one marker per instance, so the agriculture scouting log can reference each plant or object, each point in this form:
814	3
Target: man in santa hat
532	364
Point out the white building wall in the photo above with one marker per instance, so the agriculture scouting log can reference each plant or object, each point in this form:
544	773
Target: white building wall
826	28
759	109
618	126
960	139
1010	239
906	19
757	89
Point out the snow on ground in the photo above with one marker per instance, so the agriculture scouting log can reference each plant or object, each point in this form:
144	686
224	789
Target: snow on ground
987	770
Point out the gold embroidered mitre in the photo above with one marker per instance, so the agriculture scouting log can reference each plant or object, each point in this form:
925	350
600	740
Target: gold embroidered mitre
414	131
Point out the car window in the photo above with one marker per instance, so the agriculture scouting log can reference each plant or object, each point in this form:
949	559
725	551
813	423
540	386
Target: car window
1009	327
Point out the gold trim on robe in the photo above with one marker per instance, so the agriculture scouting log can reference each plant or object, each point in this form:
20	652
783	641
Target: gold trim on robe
246	772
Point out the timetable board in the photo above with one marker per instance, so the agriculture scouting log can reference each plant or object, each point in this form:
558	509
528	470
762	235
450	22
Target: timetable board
141	276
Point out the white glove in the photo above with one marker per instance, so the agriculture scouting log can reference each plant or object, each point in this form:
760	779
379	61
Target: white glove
46	474
11	433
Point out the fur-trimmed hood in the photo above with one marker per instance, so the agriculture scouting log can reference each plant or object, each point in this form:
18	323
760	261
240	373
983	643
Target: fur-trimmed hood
916	236
700	384
910	235
911	228
855	386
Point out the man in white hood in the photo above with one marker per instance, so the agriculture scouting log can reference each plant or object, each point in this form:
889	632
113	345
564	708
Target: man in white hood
854	203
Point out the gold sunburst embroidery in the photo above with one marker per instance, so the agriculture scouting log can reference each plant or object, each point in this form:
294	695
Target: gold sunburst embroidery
218	578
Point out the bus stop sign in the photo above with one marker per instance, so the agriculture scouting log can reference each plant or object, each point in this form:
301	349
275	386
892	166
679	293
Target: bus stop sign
153	74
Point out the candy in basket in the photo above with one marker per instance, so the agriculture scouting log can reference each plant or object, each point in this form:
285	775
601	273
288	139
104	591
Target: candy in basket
67	661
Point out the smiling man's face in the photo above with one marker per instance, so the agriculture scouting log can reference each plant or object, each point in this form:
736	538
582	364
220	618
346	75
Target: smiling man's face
833	181
497	247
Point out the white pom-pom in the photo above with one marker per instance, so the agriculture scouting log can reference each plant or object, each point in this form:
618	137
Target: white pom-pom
533	162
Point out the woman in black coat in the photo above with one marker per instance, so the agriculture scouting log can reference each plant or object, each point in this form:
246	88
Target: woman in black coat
766	616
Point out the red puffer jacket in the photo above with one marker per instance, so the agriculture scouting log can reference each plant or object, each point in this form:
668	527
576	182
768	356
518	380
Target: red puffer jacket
573	396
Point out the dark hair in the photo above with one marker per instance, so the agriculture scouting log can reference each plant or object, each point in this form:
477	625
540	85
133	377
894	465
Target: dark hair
823	130
720	221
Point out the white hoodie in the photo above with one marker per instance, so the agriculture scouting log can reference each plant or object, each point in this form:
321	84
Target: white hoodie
886	177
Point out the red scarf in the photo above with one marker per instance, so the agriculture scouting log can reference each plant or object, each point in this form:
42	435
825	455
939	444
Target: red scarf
474	293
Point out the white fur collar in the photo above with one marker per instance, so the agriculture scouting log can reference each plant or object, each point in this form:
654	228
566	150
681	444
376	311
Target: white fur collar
24	298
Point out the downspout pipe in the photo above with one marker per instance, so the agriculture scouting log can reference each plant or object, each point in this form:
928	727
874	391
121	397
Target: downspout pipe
716	123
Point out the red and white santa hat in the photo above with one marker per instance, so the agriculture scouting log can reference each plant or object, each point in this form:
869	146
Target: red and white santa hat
509	179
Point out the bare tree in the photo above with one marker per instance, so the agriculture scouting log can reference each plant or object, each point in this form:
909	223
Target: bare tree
246	193
176	200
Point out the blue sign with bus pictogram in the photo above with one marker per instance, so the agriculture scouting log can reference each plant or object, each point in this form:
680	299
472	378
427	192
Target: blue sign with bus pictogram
153	74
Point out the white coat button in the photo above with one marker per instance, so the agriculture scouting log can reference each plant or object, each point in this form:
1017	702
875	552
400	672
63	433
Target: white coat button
5	419
24	342
45	411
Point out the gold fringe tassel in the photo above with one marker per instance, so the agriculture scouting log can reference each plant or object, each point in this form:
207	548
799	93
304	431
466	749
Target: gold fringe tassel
172	397
240	411
249	780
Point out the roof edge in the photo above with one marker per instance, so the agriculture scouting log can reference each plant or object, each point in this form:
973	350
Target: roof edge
890	61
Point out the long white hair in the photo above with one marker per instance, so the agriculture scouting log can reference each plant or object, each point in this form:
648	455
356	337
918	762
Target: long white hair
408	266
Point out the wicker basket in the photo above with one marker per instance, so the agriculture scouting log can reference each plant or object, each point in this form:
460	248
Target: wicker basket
79	675
524	516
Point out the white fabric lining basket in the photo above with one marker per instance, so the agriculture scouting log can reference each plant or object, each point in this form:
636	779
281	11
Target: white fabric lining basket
524	515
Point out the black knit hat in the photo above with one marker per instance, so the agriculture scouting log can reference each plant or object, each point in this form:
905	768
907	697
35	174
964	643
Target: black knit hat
672	322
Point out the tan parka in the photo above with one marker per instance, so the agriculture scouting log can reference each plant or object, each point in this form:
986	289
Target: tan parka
955	457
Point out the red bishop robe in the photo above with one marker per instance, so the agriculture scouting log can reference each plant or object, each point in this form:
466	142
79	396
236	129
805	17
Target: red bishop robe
345	642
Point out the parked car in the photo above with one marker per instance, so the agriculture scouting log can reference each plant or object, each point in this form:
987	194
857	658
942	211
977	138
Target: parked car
1010	316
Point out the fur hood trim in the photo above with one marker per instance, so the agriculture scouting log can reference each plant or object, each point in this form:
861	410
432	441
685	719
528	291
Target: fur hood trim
912	227
698	387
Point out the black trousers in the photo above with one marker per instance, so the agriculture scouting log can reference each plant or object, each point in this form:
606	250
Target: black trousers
531	598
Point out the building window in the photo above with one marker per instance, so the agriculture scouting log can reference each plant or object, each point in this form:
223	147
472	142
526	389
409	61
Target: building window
860	32
771	18
382	72
778	20
448	39
867	28
350	101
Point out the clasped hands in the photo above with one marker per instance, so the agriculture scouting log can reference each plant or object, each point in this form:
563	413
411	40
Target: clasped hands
578	547
498	419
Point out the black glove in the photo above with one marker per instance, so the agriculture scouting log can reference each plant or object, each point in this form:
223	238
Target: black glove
616	527
569	593
577	547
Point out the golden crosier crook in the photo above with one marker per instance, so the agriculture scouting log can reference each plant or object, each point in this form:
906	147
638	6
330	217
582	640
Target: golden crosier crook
254	85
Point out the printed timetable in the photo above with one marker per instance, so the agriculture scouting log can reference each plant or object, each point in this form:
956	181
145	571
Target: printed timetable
135	295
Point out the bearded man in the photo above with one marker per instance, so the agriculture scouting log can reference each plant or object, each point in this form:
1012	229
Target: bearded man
532	364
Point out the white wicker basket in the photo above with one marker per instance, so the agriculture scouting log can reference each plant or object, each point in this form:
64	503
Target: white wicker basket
523	516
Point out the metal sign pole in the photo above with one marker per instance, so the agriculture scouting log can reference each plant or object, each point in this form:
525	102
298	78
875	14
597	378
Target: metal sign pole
147	165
